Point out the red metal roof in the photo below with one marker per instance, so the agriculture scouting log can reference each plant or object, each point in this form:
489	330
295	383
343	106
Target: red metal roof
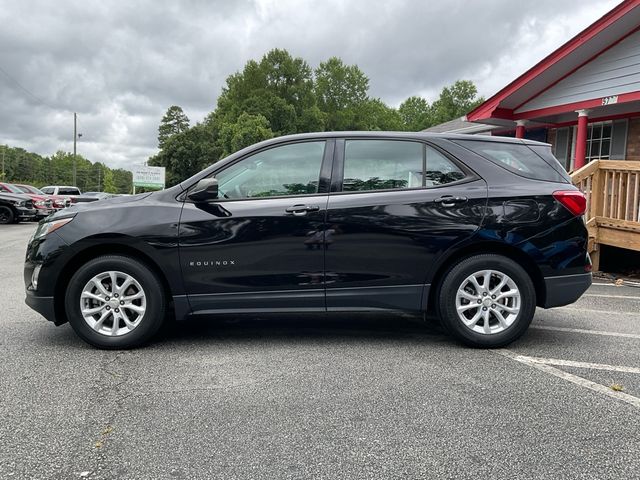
611	28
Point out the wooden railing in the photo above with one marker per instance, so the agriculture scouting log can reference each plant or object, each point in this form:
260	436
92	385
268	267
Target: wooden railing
612	188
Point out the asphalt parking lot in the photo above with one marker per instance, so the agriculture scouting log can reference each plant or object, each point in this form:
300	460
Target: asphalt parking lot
351	397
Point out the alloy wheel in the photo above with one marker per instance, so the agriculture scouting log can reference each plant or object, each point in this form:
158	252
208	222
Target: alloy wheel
488	302
113	303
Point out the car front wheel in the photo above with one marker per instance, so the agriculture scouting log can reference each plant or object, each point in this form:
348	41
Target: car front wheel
486	301
115	302
6	215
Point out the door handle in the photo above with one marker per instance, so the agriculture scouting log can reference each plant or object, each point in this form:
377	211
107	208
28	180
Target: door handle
300	210
449	200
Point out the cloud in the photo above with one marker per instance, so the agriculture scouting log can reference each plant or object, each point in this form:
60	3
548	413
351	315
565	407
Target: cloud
120	65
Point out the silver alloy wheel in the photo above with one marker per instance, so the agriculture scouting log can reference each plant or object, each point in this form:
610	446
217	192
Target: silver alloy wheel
488	302
113	303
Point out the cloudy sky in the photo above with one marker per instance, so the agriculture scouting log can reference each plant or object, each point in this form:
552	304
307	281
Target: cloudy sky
120	64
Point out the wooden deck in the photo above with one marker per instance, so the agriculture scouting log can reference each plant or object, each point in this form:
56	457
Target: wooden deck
612	188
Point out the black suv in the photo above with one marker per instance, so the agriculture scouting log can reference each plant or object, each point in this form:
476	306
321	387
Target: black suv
16	207
478	230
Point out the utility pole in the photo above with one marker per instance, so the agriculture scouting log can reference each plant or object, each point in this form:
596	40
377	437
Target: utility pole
75	136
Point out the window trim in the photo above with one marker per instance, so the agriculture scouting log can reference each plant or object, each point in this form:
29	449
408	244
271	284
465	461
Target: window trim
338	169
324	175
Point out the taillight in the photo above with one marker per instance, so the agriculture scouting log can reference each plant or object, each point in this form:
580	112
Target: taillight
573	200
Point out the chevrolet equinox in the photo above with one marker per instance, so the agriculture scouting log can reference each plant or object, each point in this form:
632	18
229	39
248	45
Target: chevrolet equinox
477	230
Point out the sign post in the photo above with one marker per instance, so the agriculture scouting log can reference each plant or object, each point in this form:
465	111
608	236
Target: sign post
148	177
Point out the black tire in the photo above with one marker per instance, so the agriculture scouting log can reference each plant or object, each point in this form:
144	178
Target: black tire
453	280
6	215
155	302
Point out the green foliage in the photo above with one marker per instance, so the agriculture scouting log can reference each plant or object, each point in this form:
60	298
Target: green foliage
281	94
109	185
174	121
454	102
30	168
188	152
340	91
247	130
415	114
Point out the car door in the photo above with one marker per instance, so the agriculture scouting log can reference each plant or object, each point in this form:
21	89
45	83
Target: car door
395	206
259	245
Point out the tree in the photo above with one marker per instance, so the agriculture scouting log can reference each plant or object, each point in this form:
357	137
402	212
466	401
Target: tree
33	169
109	185
279	88
174	121
415	114
373	114
455	101
188	152
249	129
340	89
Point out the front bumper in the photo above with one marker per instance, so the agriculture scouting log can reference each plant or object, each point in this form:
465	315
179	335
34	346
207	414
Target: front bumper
43	305
26	213
565	289
44	212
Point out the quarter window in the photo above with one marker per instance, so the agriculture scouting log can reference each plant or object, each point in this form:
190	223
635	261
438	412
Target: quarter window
395	164
292	169
439	169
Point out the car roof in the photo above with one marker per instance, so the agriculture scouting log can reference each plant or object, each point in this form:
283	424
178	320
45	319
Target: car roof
408	135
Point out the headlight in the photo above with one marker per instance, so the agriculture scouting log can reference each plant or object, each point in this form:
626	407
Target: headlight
40	203
47	227
19	203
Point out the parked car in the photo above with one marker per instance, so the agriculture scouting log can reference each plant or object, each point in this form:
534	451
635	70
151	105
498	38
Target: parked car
16	208
42	203
59	201
63	190
478	230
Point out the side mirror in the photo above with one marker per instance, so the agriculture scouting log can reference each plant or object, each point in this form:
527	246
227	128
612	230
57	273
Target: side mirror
205	190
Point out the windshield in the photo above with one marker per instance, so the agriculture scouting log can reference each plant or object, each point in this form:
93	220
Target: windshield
12	188
29	189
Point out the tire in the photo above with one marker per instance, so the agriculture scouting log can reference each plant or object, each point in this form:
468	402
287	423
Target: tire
507	314
6	215
144	313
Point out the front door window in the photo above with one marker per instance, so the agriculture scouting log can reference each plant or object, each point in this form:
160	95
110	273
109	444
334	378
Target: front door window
292	169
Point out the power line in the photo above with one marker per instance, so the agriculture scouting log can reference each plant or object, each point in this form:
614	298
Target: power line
24	89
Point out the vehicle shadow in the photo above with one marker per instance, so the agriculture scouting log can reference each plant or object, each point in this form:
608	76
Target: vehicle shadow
329	327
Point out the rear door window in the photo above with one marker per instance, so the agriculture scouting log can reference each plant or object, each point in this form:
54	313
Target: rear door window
395	164
520	159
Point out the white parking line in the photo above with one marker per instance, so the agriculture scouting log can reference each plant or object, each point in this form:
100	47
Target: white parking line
602	295
595	310
592	366
575	379
626	284
584	330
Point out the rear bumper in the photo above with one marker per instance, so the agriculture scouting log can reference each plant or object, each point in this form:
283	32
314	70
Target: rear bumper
565	289
43	305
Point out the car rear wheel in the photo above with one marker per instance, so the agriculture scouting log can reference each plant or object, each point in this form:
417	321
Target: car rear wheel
486	301
115	302
6	215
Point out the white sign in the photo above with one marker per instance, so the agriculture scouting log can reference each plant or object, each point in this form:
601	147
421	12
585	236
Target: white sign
610	100
151	177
